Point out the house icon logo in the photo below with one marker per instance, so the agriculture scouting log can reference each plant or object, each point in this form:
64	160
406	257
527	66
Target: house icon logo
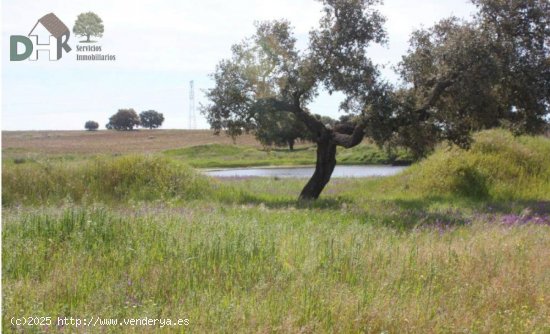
49	34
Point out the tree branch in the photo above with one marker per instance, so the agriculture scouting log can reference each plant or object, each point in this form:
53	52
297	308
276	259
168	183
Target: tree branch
353	139
436	93
311	122
315	125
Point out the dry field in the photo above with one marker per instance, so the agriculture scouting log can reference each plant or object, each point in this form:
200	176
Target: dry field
15	143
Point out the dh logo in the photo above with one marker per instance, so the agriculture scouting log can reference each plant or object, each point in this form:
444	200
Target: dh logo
48	34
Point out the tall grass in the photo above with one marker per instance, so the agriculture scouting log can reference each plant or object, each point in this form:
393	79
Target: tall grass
254	269
428	251
498	166
104	179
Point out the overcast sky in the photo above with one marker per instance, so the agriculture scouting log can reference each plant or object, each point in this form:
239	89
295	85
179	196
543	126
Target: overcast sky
160	46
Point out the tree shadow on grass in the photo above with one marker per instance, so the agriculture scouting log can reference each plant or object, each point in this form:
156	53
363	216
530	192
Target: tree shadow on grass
439	212
285	202
408	214
537	207
412	214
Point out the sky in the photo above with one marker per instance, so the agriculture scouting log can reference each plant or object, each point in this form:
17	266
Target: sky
160	46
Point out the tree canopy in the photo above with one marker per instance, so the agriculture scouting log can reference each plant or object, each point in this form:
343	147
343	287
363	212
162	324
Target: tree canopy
458	77
496	67
124	119
267	73
151	119
279	128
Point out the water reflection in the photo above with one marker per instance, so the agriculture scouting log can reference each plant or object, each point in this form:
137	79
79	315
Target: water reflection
306	172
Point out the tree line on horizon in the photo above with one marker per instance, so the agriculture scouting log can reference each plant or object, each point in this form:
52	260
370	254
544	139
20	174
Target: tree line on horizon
127	119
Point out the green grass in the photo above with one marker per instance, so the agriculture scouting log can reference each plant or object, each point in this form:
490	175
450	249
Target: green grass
255	269
146	236
218	155
103	179
498	166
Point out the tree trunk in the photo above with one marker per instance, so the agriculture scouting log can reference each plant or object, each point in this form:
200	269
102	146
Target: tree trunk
88	38
291	144
326	161
328	139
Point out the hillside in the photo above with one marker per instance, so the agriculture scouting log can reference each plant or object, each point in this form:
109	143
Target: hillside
15	143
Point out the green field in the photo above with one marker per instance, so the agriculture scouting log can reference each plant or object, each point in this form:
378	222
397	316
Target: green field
458	243
216	155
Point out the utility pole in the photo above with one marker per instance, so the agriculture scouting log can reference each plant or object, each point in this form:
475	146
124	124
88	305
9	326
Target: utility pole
192	116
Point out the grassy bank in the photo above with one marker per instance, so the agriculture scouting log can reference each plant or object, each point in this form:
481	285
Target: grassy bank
104	179
498	166
216	155
145	236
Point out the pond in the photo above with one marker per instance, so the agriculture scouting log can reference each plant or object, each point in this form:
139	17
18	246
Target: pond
306	172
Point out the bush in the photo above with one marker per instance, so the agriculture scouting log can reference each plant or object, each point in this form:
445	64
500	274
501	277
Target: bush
91	125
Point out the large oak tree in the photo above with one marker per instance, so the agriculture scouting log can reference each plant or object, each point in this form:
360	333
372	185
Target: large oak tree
459	77
499	67
268	73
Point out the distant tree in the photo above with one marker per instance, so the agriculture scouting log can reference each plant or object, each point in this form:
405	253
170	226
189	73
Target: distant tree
124	119
151	119
279	128
91	125
88	24
327	120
